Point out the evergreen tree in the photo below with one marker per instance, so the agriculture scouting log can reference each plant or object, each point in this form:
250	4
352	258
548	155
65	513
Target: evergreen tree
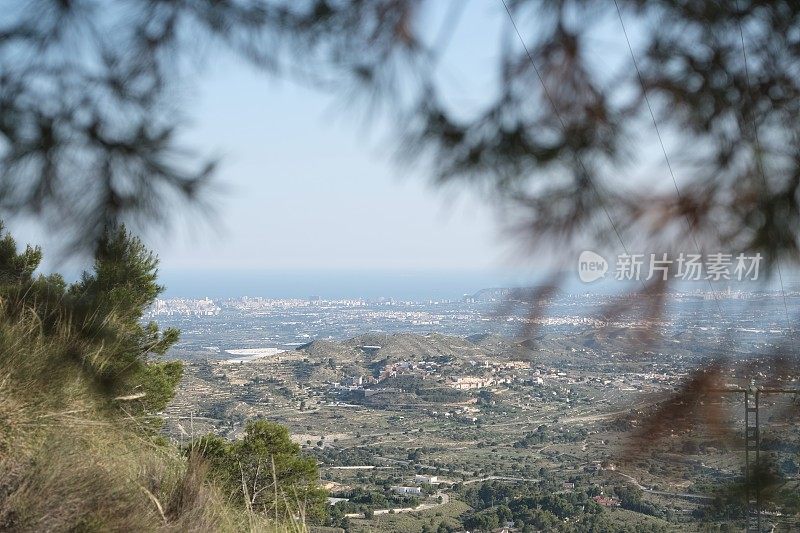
112	300
99	318
266	471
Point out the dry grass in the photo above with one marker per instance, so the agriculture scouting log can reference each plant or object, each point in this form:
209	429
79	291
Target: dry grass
69	462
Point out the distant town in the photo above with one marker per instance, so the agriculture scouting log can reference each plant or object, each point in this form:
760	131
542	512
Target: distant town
410	407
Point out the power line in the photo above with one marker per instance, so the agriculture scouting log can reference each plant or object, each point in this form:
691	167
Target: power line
751	396
564	128
663	148
759	162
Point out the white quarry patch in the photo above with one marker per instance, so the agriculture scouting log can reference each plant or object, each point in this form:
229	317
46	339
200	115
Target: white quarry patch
251	354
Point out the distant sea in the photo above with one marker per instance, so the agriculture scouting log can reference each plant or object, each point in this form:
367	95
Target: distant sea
334	284
372	285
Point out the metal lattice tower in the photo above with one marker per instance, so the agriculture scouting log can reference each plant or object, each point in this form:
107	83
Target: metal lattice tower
752	437
752	447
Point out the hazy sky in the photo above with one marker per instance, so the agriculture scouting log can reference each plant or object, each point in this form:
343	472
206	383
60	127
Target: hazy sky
309	198
309	184
305	184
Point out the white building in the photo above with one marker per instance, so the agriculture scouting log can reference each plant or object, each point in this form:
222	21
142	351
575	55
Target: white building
416	491
422	478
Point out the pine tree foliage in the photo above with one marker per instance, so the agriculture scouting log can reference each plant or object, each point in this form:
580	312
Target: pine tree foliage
99	317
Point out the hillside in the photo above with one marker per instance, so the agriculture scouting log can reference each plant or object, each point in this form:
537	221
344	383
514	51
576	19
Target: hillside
71	460
373	348
82	384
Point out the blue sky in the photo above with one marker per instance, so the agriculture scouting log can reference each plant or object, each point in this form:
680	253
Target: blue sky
305	185
308	184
